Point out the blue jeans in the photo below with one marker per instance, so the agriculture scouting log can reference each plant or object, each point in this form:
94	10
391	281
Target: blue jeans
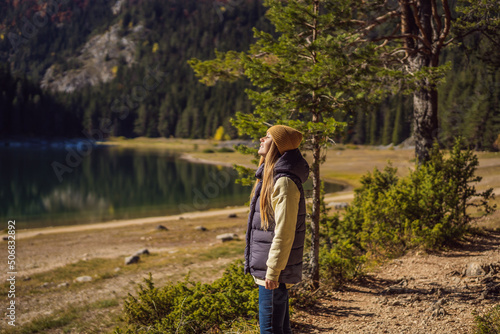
274	317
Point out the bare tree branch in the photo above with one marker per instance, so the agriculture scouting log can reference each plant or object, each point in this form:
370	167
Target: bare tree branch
383	44
402	36
492	40
447	24
398	50
306	57
360	22
381	19
449	42
453	39
308	25
436	17
426	40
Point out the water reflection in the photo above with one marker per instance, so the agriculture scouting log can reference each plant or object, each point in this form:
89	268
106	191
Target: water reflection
73	200
110	183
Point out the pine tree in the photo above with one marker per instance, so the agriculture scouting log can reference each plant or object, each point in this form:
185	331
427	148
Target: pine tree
388	119
397	132
359	136
141	122
421	30
373	128
163	121
303	77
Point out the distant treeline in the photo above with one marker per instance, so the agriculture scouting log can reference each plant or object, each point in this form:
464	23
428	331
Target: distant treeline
27	111
159	95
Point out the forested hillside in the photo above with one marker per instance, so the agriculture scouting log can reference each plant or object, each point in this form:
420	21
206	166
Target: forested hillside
151	91
28	111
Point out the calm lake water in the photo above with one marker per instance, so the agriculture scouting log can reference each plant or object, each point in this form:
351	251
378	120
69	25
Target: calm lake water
109	183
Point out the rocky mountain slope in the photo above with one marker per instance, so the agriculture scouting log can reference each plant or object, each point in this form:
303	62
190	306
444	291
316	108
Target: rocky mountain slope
97	61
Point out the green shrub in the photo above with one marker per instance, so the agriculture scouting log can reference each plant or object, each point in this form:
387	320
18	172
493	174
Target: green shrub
352	147
208	150
389	215
428	208
340	260
225	150
488	323
188	307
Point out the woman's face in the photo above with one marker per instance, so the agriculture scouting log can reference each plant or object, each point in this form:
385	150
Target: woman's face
265	144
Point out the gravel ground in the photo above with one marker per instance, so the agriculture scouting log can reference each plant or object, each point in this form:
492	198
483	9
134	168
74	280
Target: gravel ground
418	293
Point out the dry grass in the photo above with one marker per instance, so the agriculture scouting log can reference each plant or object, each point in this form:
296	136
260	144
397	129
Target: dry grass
350	164
491	222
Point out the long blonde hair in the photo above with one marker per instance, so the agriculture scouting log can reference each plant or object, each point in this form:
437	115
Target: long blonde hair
266	209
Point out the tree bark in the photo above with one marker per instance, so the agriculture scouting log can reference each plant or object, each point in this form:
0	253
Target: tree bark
423	51
425	122
315	216
425	114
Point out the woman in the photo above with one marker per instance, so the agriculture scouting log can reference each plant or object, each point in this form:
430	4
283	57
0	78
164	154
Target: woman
276	225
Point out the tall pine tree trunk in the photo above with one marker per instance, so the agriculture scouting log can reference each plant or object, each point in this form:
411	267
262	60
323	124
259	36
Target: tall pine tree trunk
421	22
316	208
425	113
316	147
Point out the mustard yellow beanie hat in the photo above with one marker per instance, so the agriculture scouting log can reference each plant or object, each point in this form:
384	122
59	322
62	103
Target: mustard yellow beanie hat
285	137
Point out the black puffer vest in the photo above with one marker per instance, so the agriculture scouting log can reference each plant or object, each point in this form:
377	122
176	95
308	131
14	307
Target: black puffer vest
292	165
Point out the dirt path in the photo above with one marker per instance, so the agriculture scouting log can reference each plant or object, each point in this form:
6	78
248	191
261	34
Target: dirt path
418	293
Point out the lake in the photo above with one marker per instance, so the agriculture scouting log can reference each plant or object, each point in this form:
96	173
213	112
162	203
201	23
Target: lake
42	187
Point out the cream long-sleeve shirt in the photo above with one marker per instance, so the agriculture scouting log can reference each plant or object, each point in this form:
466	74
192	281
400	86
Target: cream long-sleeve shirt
285	203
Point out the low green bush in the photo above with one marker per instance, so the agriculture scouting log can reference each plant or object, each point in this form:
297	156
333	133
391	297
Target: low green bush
225	150
208	150
488	323
187	307
339	260
429	208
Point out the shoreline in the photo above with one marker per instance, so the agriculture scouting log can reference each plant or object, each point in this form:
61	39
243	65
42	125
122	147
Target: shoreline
188	157
30	233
